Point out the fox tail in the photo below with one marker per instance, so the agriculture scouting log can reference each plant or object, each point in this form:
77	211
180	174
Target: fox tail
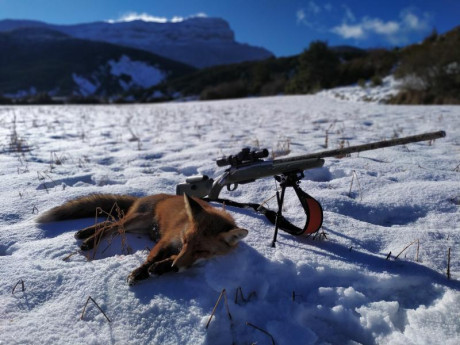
86	207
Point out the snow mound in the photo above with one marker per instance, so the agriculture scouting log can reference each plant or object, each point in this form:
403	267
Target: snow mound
368	93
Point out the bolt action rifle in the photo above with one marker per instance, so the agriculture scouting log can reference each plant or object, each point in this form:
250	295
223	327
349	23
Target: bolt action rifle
248	166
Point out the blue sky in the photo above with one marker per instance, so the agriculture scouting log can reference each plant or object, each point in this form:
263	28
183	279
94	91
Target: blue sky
285	27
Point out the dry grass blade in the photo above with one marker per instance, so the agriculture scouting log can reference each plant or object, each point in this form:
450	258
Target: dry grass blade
67	257
98	307
262	330
404	249
448	264
354	174
222	294
110	217
20	282
239	293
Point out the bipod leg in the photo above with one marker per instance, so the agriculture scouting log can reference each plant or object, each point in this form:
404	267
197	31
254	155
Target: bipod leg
280	200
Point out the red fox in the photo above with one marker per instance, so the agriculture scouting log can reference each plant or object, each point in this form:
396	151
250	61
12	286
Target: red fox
187	229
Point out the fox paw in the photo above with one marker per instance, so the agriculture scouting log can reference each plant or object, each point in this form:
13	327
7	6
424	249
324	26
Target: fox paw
140	273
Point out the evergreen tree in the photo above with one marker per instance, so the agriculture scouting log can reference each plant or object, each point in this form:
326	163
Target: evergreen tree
318	69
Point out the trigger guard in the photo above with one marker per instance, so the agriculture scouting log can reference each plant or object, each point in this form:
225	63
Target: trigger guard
231	187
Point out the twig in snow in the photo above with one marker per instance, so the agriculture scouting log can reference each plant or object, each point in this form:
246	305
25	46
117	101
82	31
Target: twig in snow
388	256
70	255
239	291
224	294
448	264
359	185
262	330
402	251
22	286
295	295
98	307
418	250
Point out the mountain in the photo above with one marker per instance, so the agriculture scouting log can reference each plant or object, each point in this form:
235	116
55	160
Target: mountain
41	60
199	42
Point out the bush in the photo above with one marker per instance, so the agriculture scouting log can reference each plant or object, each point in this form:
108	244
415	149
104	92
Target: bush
362	83
431	70
376	81
274	87
5	100
235	89
377	62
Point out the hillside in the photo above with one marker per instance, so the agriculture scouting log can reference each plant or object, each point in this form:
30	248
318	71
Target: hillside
427	73
40	60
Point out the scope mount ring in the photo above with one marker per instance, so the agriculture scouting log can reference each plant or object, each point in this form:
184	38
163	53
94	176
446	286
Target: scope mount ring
232	186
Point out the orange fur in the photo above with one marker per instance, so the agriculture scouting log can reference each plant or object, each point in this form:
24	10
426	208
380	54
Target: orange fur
188	229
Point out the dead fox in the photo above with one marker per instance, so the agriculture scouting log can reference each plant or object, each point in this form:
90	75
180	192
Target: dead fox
187	229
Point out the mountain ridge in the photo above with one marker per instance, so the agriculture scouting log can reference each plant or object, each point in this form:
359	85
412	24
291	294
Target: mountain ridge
199	42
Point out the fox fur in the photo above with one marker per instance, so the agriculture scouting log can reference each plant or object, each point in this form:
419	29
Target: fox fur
187	229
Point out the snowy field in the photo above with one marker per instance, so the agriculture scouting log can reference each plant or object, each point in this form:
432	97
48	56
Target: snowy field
343	289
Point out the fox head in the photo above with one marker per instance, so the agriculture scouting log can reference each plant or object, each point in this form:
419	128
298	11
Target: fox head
210	232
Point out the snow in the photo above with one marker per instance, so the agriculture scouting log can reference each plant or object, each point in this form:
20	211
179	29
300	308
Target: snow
85	86
141	73
368	93
336	290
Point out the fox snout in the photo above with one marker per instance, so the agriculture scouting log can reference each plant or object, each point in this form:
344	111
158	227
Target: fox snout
205	248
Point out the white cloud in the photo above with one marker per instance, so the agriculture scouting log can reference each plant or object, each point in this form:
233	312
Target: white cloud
132	16
349	31
393	31
380	27
413	22
309	16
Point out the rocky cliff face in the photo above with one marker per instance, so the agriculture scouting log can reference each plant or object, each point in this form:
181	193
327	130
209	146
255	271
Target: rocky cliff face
199	42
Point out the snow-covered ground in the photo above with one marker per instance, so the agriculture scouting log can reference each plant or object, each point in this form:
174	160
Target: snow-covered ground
343	289
368	93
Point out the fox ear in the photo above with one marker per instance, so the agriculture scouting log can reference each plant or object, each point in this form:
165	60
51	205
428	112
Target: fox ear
191	207
233	236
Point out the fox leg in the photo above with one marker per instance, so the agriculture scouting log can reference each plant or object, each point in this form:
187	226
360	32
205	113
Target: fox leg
163	266
158	262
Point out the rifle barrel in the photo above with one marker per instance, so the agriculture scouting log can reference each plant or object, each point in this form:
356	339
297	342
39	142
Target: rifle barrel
367	147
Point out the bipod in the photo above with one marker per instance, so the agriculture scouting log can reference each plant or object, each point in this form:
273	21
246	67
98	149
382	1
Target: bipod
311	207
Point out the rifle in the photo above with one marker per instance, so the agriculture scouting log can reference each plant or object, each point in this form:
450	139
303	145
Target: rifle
248	166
